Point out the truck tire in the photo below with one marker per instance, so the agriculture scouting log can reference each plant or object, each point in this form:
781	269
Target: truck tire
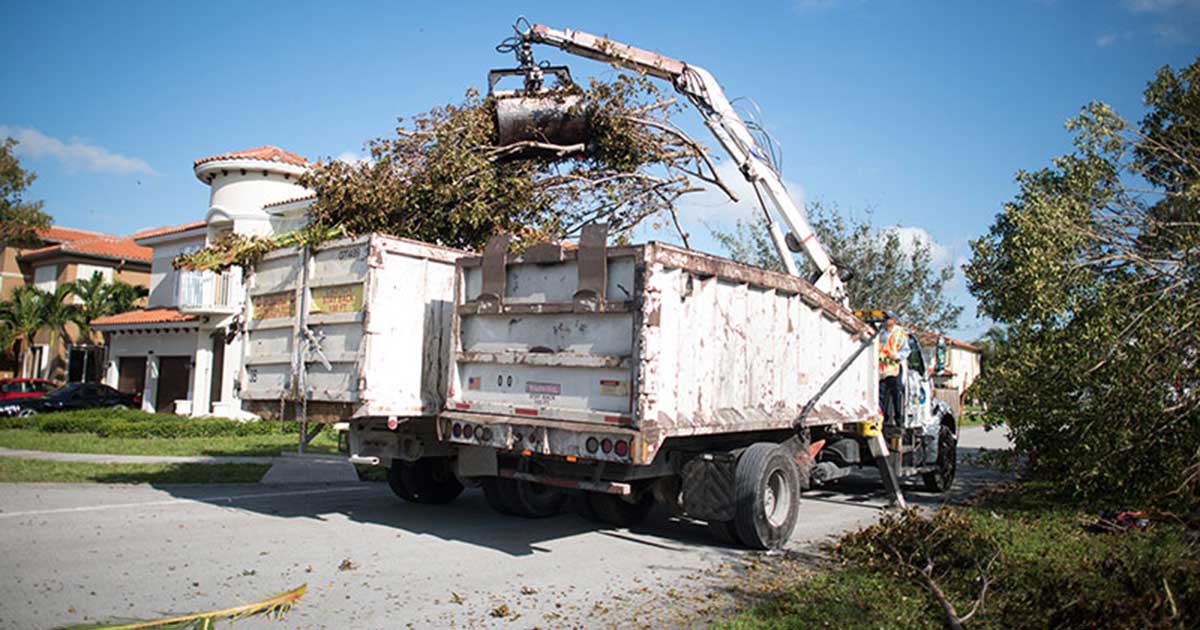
534	500
497	496
941	479
613	510
396	482
431	480
725	531
766	495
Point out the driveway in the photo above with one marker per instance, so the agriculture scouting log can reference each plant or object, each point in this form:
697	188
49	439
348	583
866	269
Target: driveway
71	553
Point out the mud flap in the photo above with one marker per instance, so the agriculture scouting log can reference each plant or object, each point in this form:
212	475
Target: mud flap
708	487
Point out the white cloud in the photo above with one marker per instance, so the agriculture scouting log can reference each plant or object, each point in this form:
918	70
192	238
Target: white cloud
74	153
350	157
1106	40
910	236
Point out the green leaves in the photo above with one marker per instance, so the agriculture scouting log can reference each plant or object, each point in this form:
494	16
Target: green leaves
1094	271
19	219
886	273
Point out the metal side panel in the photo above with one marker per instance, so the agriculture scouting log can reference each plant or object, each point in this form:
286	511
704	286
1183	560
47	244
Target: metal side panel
563	364
722	355
379	310
407	329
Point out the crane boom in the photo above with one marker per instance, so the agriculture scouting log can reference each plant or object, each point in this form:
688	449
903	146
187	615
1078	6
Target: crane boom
703	91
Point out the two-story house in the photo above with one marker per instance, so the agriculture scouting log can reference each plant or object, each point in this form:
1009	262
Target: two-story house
64	255
180	352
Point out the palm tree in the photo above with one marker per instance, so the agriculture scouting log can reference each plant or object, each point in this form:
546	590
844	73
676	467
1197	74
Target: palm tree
98	298
57	312
124	297
22	315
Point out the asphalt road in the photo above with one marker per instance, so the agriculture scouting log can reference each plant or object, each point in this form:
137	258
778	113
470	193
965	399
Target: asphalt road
74	553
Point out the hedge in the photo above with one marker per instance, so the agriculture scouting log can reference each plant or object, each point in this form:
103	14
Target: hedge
130	423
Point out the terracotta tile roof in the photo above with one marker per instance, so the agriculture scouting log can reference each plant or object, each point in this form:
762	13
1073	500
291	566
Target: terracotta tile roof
56	234
158	315
930	338
111	247
287	201
265	154
171	229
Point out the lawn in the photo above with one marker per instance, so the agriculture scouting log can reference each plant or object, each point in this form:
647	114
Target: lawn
26	470
132	432
256	445
1051	570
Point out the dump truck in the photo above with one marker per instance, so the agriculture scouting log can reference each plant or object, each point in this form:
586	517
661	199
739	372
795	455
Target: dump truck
357	331
622	377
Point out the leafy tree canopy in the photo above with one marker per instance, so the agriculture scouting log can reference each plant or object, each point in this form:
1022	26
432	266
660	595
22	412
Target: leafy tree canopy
19	219
879	270
1094	271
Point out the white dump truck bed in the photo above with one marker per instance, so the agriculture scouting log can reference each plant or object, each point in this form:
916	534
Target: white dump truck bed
650	342
379	311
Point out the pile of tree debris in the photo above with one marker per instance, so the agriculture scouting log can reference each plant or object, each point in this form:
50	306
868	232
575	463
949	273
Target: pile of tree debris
444	178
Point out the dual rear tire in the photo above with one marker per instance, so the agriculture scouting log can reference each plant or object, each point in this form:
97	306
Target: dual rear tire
766	499
522	498
430	480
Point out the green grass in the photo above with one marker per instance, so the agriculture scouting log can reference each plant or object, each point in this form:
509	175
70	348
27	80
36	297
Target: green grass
1051	571
250	445
30	470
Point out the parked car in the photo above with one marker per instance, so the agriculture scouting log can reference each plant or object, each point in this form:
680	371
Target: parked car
69	397
15	388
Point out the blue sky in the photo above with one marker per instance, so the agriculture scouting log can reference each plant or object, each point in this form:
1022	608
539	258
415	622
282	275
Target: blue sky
920	111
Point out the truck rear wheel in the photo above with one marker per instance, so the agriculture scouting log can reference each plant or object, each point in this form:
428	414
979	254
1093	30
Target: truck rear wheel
497	497
429	480
522	498
724	531
396	482
941	479
611	509
766	495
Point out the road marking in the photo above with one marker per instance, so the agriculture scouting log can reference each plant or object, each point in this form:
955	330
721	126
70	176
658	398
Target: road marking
227	498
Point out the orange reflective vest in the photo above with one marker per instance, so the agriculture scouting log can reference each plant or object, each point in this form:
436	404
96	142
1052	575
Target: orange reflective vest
891	350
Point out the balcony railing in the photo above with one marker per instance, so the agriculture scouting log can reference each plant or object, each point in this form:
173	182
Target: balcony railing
208	292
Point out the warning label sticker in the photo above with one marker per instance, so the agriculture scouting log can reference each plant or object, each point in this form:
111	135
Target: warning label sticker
614	388
552	389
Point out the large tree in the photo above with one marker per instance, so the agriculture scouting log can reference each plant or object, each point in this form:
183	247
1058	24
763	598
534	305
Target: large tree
1094	271
879	269
19	219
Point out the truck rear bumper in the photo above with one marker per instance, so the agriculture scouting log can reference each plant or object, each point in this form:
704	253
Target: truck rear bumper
573	441
607	487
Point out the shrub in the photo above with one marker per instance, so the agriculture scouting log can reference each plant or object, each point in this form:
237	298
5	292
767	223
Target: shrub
129	423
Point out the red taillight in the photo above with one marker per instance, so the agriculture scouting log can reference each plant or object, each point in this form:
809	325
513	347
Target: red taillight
393	423
621	448
457	430
522	411
606	446
468	431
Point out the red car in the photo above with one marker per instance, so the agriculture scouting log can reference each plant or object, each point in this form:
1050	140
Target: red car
18	388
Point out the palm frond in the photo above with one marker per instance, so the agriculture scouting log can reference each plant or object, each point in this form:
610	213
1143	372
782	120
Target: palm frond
276	607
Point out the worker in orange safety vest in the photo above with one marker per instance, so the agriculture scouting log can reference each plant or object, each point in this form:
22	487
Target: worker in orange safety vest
893	351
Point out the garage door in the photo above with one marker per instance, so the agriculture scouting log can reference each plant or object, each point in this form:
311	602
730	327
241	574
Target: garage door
173	376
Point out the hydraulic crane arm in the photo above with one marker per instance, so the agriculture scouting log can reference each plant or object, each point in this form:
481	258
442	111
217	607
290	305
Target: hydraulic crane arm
703	91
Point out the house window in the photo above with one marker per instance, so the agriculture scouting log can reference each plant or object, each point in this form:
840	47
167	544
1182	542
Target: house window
46	277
